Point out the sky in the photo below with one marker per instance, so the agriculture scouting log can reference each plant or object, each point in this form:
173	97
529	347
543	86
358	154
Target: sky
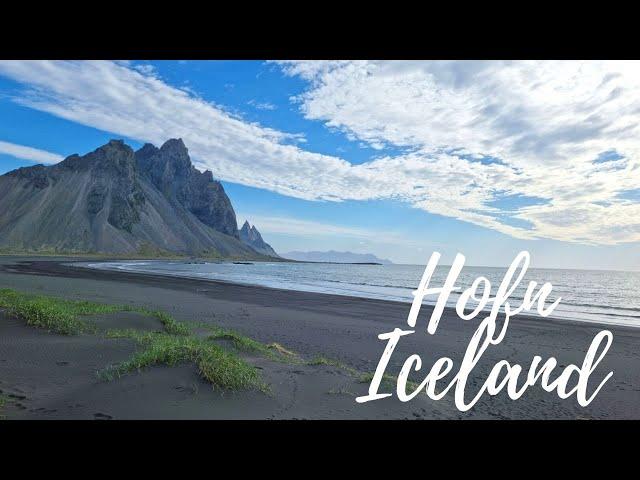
394	158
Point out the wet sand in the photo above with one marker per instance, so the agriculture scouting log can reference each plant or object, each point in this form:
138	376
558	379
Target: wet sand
47	375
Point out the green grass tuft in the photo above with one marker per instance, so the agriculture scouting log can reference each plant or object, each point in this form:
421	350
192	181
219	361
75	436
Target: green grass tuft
171	326
273	351
219	367
54	314
123	333
62	316
333	363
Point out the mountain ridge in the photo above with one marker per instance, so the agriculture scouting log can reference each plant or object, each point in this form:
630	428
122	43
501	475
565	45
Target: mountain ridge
117	201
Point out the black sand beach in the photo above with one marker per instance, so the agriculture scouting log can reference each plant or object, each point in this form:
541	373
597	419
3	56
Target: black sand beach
52	376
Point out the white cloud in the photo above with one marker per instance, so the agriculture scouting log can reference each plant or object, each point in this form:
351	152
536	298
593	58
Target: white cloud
262	105
146	69
383	242
304	228
546	122
29	153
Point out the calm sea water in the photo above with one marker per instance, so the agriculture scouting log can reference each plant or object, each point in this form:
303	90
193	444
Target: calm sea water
587	295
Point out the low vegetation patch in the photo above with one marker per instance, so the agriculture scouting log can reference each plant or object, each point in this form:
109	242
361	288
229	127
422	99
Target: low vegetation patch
333	363
217	366
172	346
273	351
342	391
4	400
171	326
63	316
175	344
55	314
388	381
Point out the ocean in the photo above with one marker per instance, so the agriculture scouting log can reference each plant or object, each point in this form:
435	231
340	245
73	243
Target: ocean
609	297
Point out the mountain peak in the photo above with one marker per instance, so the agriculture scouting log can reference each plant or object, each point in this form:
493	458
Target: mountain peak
114	155
250	232
115	145
175	145
115	151
249	235
147	151
175	155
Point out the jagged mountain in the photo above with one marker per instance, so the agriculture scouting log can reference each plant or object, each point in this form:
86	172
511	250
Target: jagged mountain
115	200
169	168
335	257
249	235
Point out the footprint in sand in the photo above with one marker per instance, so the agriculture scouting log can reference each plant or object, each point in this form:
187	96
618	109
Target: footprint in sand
45	411
192	389
102	416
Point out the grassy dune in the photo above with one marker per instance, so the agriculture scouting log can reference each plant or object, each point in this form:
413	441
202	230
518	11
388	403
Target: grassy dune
219	367
176	343
54	314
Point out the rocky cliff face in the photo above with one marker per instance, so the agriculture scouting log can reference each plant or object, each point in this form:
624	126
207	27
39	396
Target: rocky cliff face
249	235
169	168
115	200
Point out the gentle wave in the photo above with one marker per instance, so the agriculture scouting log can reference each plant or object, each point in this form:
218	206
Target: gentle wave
513	296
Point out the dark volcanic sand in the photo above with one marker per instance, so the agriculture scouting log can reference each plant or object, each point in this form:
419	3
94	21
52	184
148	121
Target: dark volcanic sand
53	376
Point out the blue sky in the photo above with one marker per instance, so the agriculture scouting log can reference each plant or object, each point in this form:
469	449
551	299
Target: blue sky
394	159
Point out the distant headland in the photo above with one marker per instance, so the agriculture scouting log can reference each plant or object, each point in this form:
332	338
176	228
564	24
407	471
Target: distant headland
333	256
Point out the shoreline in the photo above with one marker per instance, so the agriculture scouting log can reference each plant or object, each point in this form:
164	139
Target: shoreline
106	258
68	268
405	303
312	324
